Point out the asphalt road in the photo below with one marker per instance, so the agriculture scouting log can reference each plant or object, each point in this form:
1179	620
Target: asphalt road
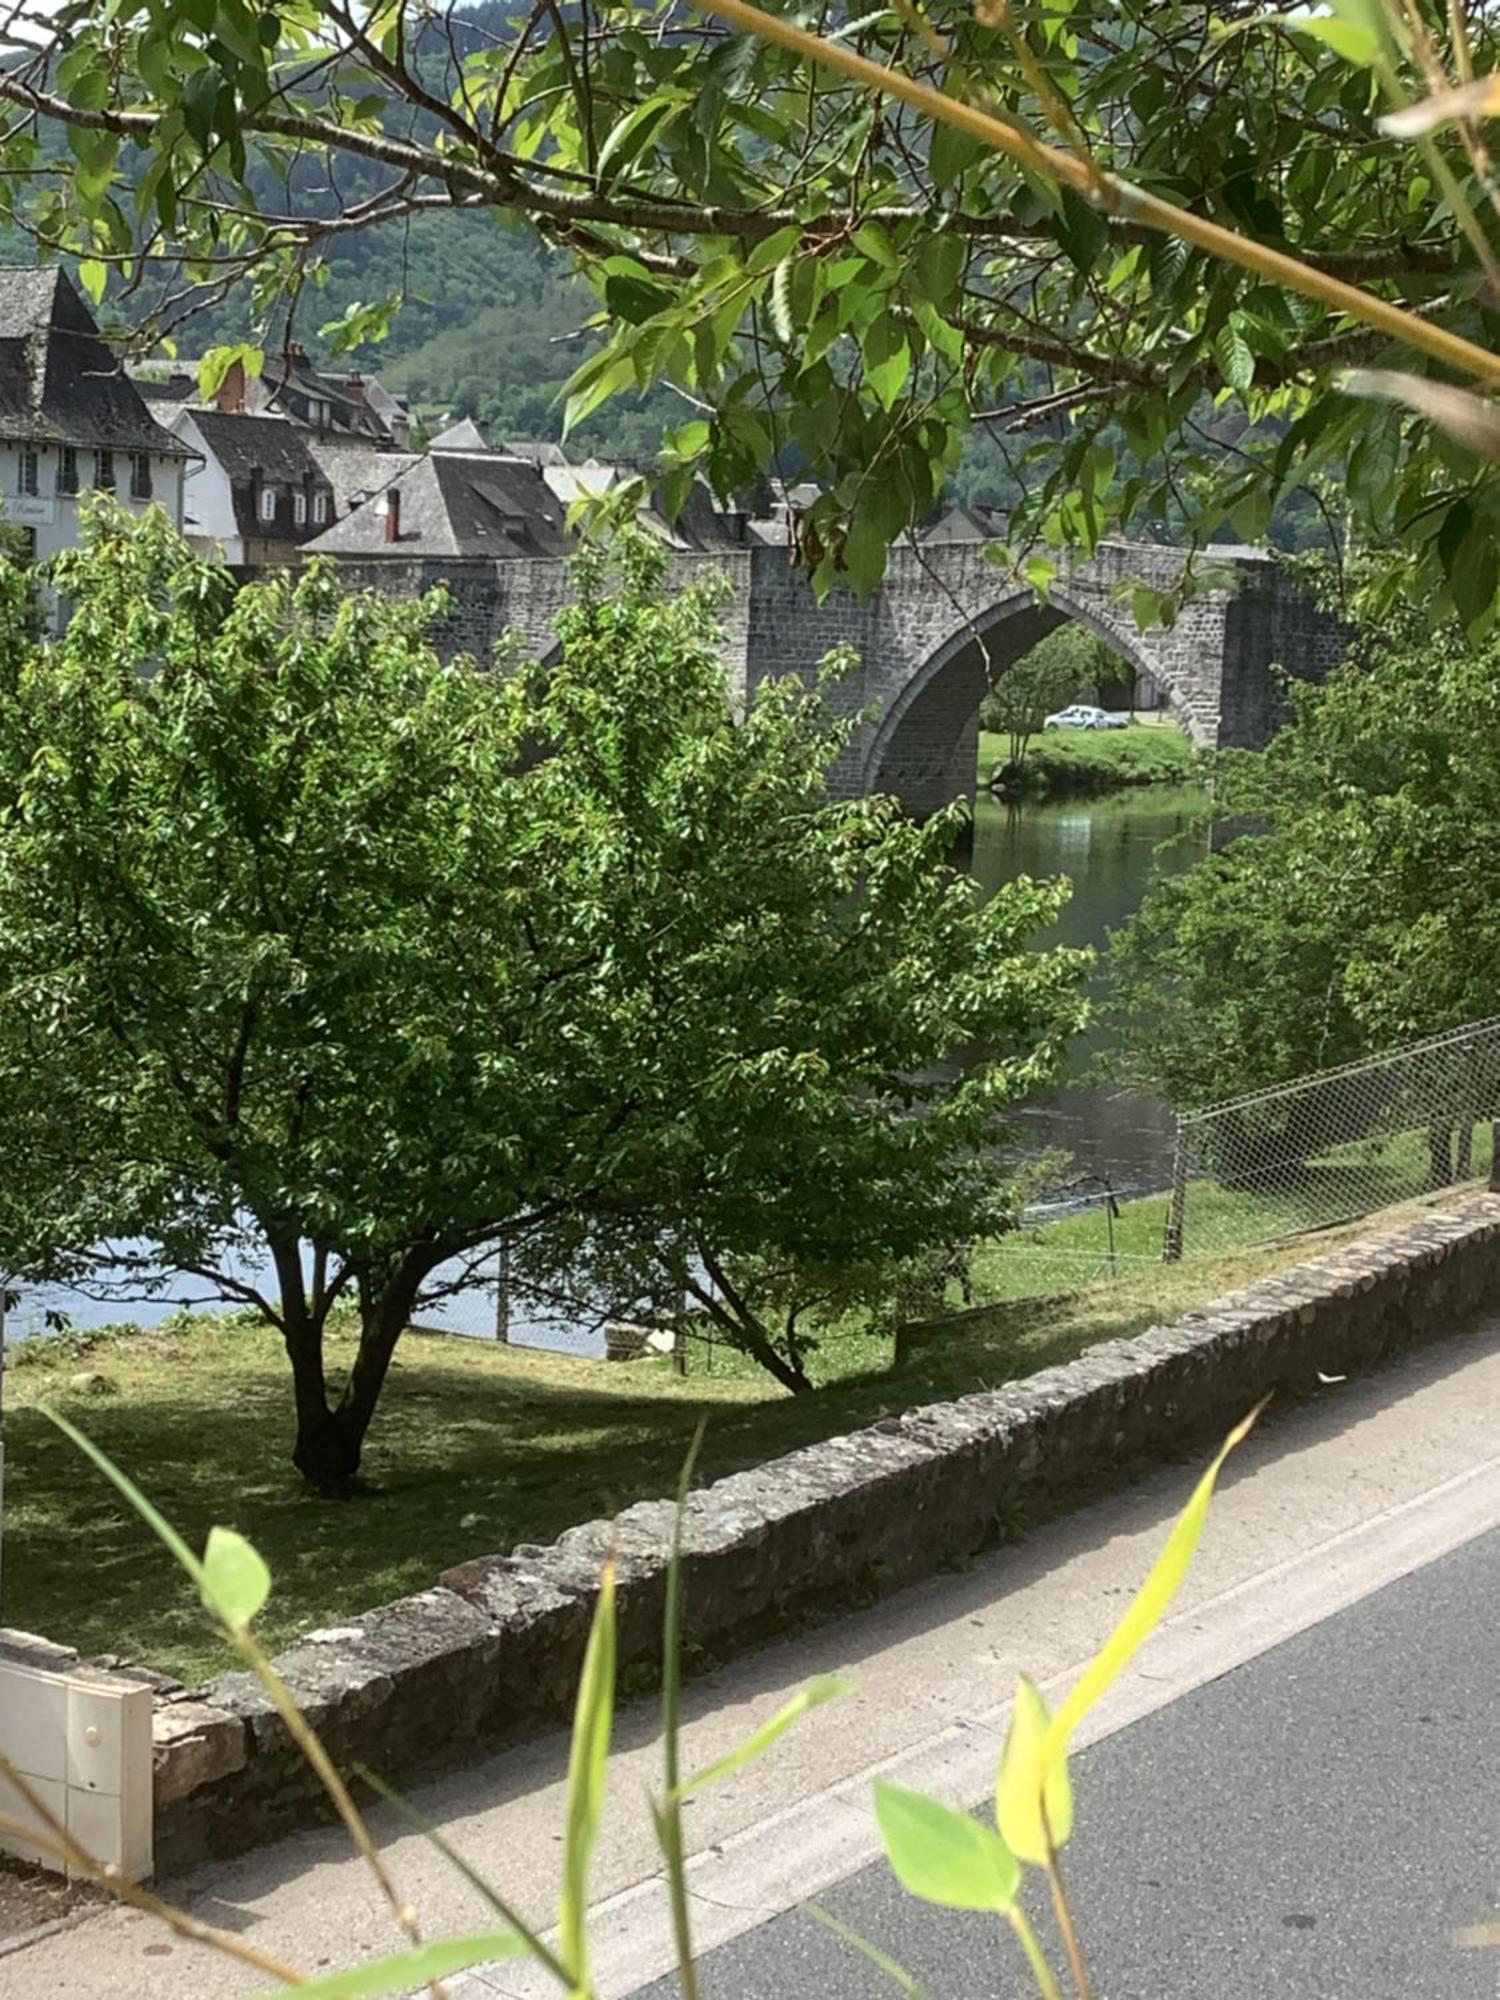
1318	1824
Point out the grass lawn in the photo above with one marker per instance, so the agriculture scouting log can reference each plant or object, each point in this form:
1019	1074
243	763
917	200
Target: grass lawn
1096	760
475	1448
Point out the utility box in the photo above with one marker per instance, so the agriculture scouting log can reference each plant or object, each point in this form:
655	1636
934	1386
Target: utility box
81	1740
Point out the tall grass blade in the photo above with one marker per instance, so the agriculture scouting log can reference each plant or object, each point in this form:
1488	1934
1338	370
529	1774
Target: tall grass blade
1149	1605
587	1760
404	1969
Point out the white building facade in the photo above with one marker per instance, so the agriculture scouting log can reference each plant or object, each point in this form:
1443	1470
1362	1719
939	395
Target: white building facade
71	420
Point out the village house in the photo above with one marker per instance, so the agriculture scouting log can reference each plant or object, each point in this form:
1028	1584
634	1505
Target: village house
71	420
258	493
352	408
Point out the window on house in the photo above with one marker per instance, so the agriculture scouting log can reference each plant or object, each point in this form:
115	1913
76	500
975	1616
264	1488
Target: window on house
299	510
320	508
104	471
140	475
28	470
268	503
67	469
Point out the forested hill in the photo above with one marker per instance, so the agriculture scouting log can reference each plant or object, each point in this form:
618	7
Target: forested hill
491	328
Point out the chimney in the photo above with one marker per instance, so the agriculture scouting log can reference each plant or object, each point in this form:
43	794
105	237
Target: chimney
393	514
354	389
296	353
230	396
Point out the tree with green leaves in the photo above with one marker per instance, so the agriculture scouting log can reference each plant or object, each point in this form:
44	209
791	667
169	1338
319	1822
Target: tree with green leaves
1360	912
330	962
850	247
1065	666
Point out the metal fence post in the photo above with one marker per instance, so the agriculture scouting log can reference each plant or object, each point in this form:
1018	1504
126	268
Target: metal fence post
1171	1249
1468	1114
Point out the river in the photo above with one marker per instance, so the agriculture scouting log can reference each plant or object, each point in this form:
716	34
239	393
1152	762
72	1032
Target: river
1107	847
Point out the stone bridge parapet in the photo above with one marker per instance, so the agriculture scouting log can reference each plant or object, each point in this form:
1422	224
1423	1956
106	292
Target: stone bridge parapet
945	624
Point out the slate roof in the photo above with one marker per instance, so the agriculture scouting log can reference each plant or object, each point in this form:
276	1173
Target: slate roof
355	471
59	382
456	504
269	451
465	435
177	388
540	451
272	446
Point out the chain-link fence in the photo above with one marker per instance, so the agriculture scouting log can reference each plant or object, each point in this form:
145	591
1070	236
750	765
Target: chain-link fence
1284	1162
1338	1145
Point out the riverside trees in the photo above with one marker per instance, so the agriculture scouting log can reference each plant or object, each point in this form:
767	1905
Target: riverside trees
326	953
1359	912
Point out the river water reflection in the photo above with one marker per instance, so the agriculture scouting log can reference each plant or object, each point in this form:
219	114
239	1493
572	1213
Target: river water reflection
1108	848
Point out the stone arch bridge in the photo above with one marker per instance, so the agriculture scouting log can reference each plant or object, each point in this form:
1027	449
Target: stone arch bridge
927	641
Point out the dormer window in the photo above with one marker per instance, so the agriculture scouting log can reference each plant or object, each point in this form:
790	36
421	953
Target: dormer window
299	510
320	509
268	503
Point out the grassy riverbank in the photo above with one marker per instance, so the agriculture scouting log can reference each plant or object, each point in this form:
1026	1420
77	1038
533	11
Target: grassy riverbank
1063	762
475	1449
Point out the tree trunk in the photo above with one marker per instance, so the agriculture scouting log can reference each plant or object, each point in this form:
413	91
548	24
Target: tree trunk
1440	1156
330	1441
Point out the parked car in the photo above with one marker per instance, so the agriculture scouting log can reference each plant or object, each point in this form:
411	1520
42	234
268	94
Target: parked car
1082	715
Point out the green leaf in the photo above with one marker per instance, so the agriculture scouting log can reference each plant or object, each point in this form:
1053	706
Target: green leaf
1352	32
236	1582
1149	1605
887	358
637	128
218	361
1028	1782
634	300
1081	230
936	268
1251	513
944	1856
873	241
1233	354
690	440
200	100
405	1970
864	552
93	276
952	153
772	249
587	1761
828	1687
1472	578
617	373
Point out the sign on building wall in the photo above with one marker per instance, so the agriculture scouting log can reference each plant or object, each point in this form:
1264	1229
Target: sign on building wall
28	507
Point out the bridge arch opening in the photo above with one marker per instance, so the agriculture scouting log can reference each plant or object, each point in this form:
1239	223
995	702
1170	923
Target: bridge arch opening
925	749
